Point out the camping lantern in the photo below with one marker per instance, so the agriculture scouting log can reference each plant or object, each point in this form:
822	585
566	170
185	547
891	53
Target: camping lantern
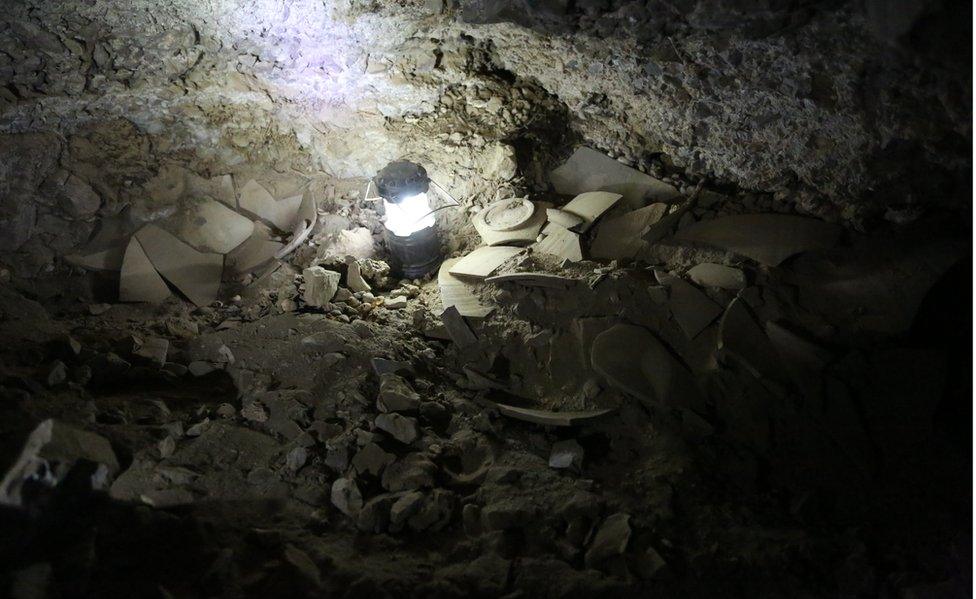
411	234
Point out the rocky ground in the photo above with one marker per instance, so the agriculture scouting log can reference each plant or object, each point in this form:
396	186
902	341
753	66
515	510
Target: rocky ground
275	443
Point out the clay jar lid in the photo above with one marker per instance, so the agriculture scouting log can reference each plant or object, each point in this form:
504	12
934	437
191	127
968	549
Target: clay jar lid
508	215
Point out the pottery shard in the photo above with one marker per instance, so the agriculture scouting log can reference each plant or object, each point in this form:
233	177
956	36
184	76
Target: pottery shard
692	309
621	237
195	274
210	226
533	279
483	261
258	202
523	233
354	278
561	243
460	294
742	337
256	251
547	418
634	361
766	238
590	206
220	188
589	170
457	328
139	281
562	218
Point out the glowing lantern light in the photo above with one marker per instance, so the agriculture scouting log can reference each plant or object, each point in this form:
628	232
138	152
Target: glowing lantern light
410	215
411	235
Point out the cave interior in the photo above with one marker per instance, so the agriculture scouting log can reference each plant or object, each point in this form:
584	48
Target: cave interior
486	298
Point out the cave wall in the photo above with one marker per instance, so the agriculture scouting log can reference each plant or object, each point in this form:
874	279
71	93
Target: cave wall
839	109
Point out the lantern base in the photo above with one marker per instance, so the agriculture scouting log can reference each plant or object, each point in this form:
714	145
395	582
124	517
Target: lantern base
414	255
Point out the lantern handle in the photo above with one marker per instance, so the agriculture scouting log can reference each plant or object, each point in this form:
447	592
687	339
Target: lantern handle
456	204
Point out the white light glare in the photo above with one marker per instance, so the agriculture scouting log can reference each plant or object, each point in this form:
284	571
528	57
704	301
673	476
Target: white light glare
409	216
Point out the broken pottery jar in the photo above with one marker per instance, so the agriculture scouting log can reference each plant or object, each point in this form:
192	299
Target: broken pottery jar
196	274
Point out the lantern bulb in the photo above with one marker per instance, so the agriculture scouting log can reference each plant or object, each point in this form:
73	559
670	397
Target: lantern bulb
408	216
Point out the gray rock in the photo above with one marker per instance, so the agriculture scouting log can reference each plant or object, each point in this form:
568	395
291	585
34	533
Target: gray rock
57	374
411	472
611	539
401	428
396	395
320	285
506	514
362	329
382	366
717	275
175	369
651	565
296	458
17	217
50	453
405	508
337	456
396	303
199	428
80	199
167	446
375	515
152	349
435	513
225	355
200	368
566	455
371	459
346	496
471	519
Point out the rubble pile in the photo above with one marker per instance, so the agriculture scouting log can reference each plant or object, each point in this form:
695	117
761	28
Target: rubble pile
624	389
